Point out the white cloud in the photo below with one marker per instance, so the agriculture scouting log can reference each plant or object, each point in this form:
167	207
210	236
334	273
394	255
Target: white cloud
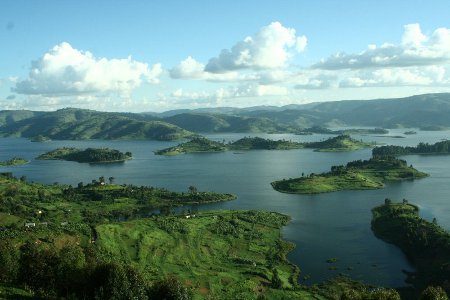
268	49
192	69
65	71
387	77
416	49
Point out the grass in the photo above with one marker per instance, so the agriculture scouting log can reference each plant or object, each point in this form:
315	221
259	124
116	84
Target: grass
221	253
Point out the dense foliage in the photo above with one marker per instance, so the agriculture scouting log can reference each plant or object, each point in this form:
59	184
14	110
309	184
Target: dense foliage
89	155
442	147
425	243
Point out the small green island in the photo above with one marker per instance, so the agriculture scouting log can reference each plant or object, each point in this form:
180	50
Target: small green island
442	147
15	161
409	132
324	130
40	139
425	243
356	175
201	144
89	155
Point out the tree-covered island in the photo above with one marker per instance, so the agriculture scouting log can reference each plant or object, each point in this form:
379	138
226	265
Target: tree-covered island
442	147
356	175
89	155
201	144
425	243
15	161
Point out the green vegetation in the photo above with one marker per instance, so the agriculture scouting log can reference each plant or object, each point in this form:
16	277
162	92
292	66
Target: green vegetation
410	132
442	147
40	139
434	128
324	130
198	144
80	124
15	161
224	254
254	143
89	155
356	175
337	144
425	244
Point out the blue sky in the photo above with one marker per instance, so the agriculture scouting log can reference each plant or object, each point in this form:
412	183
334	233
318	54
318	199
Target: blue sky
161	55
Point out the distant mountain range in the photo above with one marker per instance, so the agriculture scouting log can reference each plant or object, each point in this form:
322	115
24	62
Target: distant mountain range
428	111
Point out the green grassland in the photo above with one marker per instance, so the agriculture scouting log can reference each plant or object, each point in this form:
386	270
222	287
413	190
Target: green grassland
16	161
89	155
426	244
357	175
218	253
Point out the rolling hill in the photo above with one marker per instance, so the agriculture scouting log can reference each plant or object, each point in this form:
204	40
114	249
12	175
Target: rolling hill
80	124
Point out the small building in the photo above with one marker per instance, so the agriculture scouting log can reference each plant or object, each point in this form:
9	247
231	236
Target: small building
29	225
64	223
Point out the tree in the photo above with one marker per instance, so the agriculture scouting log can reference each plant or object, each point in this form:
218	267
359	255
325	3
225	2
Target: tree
387	201
80	185
276	280
433	293
170	289
111	180
101	179
193	190
70	270
116	282
38	269
9	261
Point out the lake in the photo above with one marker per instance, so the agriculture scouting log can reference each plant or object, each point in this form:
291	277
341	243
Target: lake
324	226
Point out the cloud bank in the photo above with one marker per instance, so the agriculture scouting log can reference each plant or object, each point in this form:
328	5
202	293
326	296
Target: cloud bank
66	71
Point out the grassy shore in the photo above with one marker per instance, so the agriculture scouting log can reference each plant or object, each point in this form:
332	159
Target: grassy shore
357	175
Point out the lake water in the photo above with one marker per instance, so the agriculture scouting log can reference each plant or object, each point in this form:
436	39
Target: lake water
332	225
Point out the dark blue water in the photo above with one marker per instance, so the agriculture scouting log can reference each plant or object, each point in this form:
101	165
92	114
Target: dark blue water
333	225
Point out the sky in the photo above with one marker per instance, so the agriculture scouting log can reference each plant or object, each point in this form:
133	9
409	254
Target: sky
142	56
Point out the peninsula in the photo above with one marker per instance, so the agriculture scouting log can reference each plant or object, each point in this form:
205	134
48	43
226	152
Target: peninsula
356	175
89	155
15	161
425	243
442	147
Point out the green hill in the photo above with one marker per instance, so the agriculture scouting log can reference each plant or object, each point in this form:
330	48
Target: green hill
337	144
356	175
80	124
208	122
257	143
198	144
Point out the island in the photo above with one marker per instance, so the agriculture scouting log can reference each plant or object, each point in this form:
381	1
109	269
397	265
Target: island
89	155
356	175
338	144
15	161
425	243
410	132
40	139
324	130
257	143
442	147
201	144
198	144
